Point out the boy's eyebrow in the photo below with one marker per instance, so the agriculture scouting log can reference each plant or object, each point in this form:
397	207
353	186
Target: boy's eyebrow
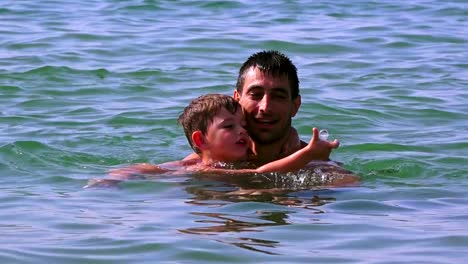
229	119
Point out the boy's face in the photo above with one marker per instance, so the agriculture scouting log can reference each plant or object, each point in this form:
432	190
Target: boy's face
226	137
268	106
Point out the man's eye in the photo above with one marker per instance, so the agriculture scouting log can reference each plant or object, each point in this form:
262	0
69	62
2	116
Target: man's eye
280	96
256	95
228	126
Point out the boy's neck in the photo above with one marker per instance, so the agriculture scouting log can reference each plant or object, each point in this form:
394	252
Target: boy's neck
207	160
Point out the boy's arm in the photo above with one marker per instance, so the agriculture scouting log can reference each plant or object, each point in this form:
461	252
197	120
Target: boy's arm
293	162
296	160
322	148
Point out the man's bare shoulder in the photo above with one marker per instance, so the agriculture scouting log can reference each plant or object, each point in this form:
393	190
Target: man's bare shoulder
192	156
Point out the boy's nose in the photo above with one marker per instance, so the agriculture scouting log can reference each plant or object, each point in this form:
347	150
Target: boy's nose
242	130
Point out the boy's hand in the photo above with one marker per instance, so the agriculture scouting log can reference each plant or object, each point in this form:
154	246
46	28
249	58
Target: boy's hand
321	149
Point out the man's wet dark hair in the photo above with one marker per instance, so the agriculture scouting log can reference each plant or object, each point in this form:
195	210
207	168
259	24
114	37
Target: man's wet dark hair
274	63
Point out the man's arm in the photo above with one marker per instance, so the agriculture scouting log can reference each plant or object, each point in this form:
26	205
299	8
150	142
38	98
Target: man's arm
127	173
141	168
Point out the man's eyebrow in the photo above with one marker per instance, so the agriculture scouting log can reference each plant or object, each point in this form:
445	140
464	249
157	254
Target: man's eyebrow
255	86
280	90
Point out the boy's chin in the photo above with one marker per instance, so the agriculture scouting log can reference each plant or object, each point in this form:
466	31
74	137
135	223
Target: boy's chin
238	158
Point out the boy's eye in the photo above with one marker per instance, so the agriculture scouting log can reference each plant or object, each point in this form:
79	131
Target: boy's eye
228	126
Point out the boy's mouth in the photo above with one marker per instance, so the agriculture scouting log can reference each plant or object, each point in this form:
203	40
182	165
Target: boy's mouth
242	141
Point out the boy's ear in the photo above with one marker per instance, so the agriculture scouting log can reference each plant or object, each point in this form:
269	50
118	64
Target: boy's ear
198	139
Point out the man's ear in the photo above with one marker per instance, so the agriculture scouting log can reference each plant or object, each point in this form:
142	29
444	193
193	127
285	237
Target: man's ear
236	95
198	139
296	105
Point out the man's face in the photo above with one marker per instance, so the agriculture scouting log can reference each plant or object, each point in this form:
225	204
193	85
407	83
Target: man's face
268	106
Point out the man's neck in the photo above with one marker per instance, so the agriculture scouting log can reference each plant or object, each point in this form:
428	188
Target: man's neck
265	153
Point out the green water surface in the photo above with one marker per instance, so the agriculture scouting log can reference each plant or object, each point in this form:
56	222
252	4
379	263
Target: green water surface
88	86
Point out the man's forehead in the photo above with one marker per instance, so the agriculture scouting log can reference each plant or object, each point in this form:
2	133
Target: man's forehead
254	75
259	70
256	79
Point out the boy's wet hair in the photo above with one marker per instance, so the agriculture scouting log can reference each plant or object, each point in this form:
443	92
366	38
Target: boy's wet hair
200	113
274	63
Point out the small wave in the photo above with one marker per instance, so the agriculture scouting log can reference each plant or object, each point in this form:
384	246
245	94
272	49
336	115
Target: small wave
319	48
423	38
48	70
30	157
9	89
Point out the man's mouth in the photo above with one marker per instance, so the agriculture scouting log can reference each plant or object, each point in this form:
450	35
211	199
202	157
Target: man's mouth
265	122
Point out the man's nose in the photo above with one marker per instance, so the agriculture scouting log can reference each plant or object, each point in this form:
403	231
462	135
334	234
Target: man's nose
264	104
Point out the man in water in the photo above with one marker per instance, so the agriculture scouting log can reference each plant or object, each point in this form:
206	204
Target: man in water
215	128
268	90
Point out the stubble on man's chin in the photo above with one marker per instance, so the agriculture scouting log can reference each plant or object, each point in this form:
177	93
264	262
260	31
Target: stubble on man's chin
268	139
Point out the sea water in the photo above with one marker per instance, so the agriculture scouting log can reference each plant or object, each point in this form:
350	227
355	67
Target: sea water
88	86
